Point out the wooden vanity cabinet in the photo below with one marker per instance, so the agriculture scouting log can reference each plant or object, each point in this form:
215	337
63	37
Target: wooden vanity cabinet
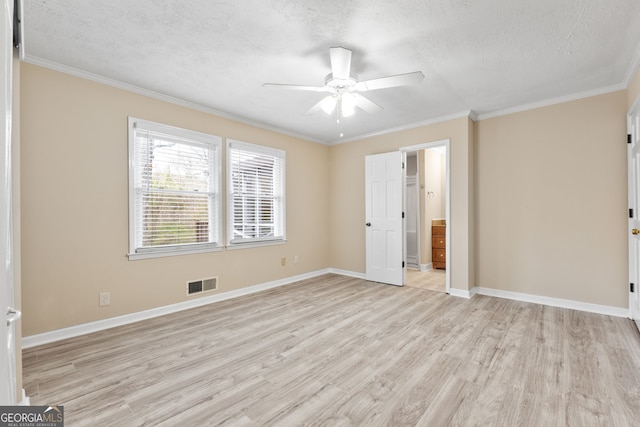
439	246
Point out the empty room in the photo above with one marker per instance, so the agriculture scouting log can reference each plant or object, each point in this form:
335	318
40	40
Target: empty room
417	213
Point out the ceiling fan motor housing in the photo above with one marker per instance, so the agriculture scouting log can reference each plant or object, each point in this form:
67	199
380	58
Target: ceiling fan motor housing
341	85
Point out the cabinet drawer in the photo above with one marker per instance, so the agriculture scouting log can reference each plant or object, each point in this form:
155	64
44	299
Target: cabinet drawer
438	242
439	255
438	230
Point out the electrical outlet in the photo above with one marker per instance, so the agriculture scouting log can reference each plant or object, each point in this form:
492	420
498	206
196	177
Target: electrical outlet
105	299
283	261
296	259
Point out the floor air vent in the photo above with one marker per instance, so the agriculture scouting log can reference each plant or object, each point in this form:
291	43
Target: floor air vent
202	285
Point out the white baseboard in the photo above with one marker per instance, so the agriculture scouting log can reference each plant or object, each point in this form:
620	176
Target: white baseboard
554	302
348	273
426	267
461	293
25	400
100	325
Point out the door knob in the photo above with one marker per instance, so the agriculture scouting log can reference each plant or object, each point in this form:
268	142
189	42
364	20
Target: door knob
368	224
12	315
635	231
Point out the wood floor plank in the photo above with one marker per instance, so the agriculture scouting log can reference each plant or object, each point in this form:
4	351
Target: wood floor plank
586	399
421	395
339	351
447	402
433	280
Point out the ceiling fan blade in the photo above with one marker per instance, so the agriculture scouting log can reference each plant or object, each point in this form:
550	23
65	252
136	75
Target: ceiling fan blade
326	104
316	108
340	62
367	105
391	81
297	87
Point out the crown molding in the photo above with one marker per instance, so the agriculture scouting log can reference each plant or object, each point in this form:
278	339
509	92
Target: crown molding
468	113
55	66
40	62
633	68
552	101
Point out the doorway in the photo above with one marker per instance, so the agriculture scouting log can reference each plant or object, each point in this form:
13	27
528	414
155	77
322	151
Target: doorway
427	225
385	220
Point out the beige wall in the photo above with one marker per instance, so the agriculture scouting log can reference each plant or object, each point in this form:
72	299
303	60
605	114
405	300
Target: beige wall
346	163
633	92
75	206
551	205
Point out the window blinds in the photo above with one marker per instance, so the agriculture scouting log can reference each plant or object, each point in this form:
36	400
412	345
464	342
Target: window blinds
175	190
256	202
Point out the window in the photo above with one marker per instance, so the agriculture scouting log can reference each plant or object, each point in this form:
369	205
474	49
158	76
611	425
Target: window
256	195
174	196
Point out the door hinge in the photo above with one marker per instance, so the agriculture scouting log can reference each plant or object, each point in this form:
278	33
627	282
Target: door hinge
402	264
628	138
630	213
631	288
402	165
402	214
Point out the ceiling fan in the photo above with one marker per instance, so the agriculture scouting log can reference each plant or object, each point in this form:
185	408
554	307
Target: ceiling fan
344	88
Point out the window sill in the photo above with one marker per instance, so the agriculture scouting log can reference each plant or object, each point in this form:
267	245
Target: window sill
173	252
235	246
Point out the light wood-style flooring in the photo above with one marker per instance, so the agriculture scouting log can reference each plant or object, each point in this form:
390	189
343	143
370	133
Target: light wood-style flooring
339	351
433	280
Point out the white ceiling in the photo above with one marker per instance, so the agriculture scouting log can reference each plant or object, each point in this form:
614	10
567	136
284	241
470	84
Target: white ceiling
479	56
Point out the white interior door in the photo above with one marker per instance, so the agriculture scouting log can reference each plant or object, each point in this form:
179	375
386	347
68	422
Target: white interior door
634	214
383	215
7	314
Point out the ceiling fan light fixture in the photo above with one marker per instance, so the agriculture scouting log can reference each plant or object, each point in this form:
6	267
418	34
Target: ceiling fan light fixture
328	104
348	104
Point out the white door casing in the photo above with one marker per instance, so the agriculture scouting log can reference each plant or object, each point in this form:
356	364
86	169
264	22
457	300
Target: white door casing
7	326
383	218
633	157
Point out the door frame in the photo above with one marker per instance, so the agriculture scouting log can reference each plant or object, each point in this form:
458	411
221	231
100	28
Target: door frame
434	144
8	356
633	129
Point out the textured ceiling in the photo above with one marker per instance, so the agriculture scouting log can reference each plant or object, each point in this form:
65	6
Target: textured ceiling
478	56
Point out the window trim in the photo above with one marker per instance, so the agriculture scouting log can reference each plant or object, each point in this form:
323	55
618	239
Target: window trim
251	243
180	135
